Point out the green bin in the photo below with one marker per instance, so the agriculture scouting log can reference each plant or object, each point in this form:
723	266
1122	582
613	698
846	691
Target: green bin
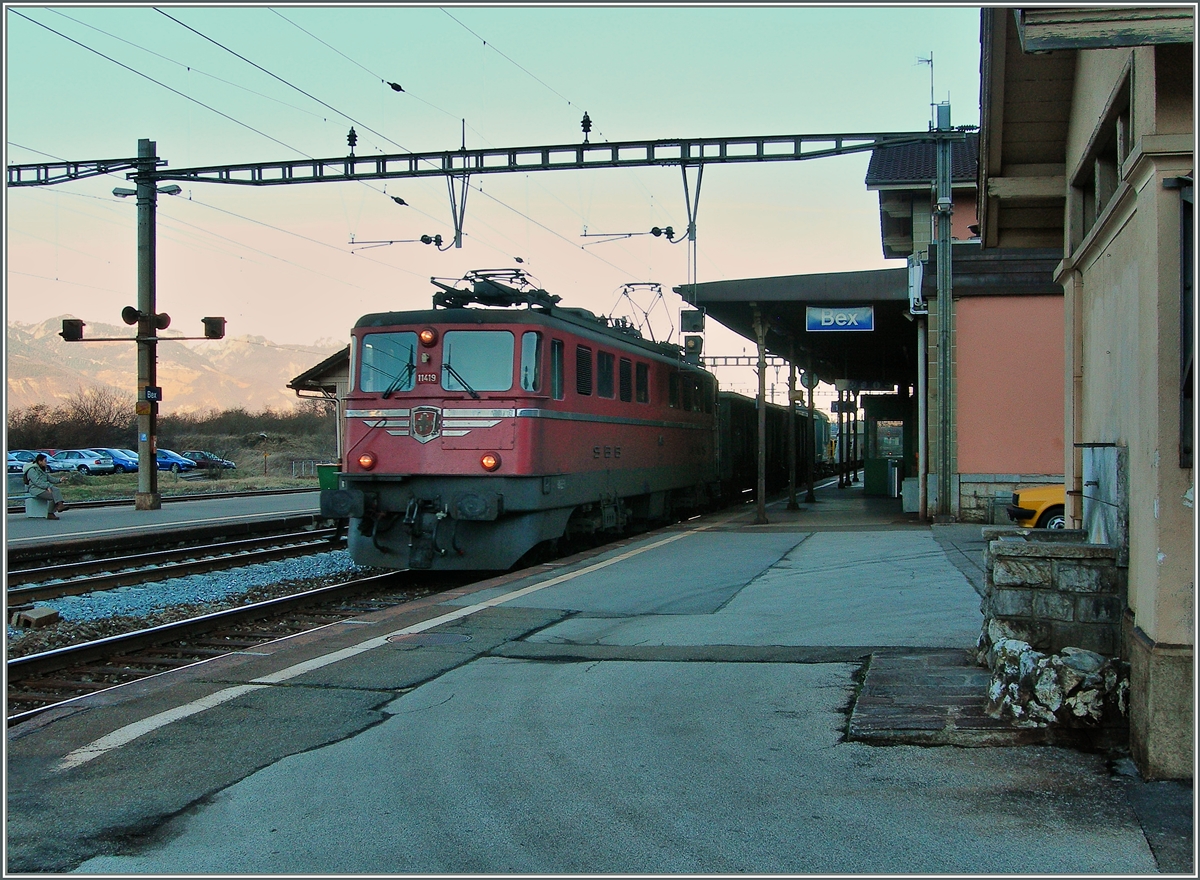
327	476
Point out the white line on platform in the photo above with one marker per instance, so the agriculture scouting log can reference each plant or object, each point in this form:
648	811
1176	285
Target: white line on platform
133	731
160	524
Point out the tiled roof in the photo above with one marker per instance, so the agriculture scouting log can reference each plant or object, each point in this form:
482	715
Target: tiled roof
917	163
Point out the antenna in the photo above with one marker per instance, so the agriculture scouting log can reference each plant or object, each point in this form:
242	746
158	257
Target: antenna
932	102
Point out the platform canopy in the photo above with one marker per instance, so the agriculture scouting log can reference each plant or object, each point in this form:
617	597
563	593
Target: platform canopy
886	354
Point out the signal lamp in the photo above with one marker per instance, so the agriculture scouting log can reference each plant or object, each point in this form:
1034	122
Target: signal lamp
72	329
490	461
366	461
214	328
428	336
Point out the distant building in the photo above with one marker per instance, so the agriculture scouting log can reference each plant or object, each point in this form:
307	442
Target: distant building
1007	429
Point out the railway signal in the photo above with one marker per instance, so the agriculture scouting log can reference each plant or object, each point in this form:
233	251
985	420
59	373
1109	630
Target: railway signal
72	329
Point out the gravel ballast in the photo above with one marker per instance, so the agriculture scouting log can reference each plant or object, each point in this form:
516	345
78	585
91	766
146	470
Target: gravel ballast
110	612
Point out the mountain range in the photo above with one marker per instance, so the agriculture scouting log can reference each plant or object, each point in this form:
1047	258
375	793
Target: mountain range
248	372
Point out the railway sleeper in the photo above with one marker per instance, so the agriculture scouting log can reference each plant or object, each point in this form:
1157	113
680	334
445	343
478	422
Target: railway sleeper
71	684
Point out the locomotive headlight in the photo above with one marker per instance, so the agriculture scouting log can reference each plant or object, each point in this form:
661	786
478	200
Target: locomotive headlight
366	461
490	461
428	336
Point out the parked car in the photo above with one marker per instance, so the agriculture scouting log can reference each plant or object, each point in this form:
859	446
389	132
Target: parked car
26	457
1039	507
207	459
84	461
173	461
15	465
125	460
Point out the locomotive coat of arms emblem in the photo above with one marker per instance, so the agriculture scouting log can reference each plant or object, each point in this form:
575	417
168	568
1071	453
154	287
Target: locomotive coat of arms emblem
426	423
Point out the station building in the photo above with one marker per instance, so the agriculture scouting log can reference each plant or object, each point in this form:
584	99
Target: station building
1087	146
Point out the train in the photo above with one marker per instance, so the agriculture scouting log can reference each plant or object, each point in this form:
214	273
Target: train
500	421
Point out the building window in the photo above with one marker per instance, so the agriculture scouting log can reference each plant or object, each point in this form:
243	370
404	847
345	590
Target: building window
643	383
626	379
604	374
583	370
556	369
1098	176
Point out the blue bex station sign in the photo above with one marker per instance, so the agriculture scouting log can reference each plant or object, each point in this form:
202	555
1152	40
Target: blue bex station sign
843	318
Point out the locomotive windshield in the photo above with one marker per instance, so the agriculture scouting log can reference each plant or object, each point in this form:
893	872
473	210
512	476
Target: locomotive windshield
388	362
477	360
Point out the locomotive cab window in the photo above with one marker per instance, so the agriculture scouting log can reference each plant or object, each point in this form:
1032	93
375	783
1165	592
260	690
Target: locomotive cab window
477	360
604	374
626	379
673	389
556	369
388	362
531	361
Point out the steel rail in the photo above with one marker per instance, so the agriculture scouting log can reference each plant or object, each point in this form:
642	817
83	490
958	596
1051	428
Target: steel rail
74	579
21	669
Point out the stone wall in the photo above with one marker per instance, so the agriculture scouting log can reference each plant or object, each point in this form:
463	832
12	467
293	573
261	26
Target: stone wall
1053	607
1054	592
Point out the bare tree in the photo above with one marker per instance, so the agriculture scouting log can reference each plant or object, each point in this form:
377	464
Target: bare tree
97	416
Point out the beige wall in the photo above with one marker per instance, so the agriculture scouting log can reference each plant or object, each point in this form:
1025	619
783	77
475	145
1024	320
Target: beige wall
1010	390
1122	369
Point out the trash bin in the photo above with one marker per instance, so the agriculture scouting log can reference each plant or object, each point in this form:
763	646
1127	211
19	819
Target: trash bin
894	478
327	476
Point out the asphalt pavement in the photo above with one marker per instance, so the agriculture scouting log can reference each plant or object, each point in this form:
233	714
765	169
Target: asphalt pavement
679	703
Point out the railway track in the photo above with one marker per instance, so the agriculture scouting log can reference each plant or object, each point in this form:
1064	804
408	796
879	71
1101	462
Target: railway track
40	682
85	575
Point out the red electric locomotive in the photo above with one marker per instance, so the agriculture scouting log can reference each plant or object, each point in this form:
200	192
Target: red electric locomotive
499	420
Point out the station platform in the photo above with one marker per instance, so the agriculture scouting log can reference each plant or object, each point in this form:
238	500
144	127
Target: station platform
682	702
80	525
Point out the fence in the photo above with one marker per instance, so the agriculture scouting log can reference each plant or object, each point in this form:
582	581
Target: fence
304	468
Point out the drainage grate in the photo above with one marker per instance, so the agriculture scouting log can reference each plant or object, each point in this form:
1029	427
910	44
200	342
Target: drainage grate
429	638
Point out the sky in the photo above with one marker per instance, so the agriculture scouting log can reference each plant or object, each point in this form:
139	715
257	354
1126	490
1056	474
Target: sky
232	84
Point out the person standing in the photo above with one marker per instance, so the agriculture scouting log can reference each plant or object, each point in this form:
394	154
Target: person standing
41	485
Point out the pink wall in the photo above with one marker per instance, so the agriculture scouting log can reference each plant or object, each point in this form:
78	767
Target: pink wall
964	216
1009	353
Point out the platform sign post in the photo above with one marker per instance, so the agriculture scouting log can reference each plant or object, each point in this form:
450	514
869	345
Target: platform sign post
760	503
792	505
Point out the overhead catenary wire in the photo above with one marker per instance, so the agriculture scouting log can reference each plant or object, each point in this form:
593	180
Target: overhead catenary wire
157	83
290	85
295	149
353	119
190	68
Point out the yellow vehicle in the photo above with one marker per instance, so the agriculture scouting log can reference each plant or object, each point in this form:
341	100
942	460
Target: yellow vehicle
1039	507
